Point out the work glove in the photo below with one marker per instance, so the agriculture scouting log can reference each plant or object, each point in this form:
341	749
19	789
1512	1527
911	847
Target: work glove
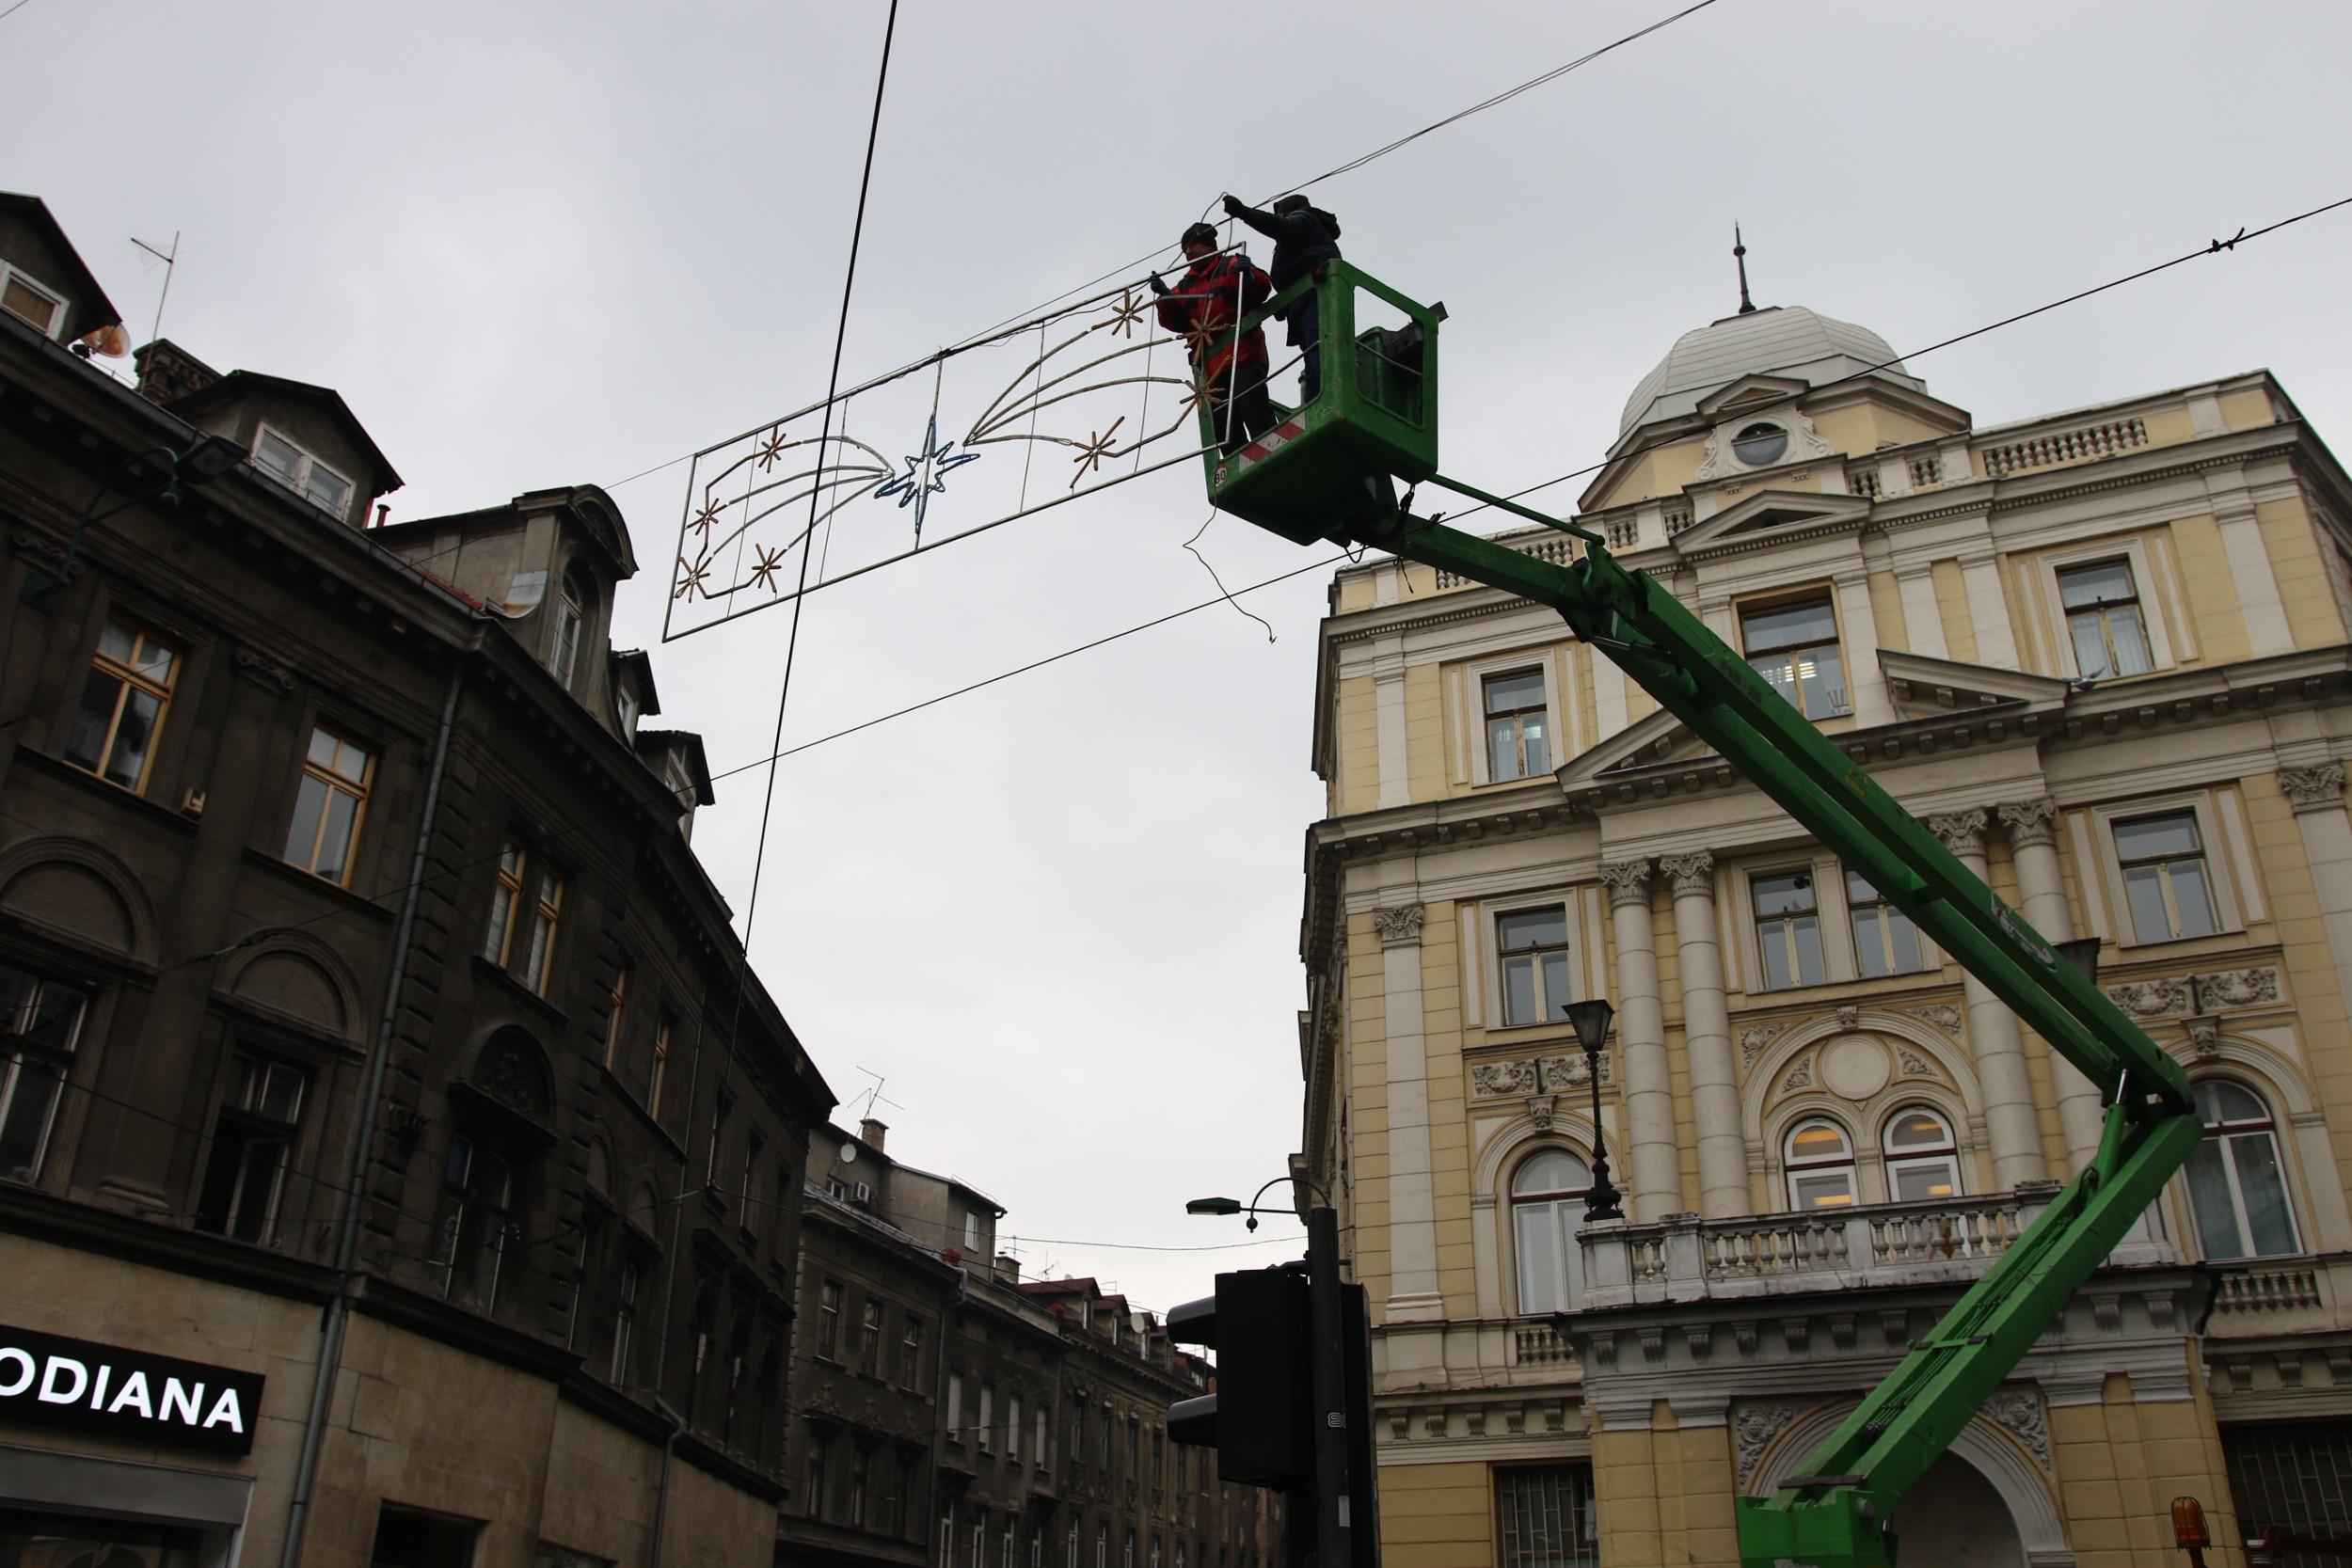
1158	287
1235	206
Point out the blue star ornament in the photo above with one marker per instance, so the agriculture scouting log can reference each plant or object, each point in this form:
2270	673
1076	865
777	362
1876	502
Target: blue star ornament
926	475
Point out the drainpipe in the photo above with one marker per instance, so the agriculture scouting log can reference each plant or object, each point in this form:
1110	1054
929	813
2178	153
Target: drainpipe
662	1493
363	1139
949	1305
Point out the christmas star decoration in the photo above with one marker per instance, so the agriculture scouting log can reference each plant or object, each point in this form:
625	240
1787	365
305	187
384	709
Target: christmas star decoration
1125	316
1201	340
1197	391
771	449
1097	448
696	579
765	573
712	506
926	475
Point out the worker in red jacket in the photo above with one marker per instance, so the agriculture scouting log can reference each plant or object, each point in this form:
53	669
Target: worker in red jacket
1207	302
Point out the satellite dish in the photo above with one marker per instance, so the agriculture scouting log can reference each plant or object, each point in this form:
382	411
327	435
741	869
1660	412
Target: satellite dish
109	341
848	1154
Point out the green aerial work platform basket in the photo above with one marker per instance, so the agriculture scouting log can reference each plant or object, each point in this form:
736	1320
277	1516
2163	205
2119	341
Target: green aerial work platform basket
1330	466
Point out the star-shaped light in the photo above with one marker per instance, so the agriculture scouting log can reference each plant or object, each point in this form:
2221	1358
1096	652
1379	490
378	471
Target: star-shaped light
1198	392
712	506
765	573
1097	448
695	579
771	449
1125	316
926	475
1200	339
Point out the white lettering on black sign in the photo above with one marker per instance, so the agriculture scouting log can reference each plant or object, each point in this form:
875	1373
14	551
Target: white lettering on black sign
48	1380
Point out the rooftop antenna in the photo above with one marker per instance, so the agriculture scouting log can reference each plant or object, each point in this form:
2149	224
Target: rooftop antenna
874	1096
170	259
1740	254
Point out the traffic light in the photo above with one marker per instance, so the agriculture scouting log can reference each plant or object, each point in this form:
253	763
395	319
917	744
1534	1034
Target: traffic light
1260	1421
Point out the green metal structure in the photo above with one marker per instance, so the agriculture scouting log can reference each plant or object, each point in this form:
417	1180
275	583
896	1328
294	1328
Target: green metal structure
1330	471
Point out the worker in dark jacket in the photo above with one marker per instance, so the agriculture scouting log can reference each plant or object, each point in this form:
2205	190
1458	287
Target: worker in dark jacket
1215	291
1305	237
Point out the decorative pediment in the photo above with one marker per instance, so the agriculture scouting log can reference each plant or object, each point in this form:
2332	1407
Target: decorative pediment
1782	515
1750	392
1924	688
1659	737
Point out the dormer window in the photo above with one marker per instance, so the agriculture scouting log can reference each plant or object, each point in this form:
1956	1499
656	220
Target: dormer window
300	472
29	301
571	611
629	707
1760	445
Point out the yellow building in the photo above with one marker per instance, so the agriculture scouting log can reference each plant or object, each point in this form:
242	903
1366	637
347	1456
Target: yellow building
2103	653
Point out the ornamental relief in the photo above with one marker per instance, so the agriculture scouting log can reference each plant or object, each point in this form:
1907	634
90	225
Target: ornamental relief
1528	1075
2233	988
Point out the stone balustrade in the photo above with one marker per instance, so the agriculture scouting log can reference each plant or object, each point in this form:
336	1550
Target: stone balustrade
1685	1258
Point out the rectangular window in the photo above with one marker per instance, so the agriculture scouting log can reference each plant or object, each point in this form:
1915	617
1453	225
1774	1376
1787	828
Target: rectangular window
817	1478
2104	620
747	1215
661	1033
1043	1459
618	996
546	910
722	1107
2165	879
476	1222
411	1538
1519	734
1885	940
41	1022
858	1464
1544	1517
955	1407
828	1321
870	1332
971	1232
988	1417
26	300
625	1323
300	472
1787	928
1794	646
513	861
1534	965
1012	1428
2293	1477
252	1138
123	701
910	1354
329	805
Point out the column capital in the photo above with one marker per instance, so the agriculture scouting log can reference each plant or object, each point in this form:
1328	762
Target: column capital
2029	822
1691	873
1960	831
1399	927
2317	788
1628	883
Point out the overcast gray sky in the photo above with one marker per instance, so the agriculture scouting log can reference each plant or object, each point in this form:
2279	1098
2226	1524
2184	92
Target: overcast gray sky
536	244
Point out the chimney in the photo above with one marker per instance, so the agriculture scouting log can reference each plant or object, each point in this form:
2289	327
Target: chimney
168	372
1009	1268
872	1133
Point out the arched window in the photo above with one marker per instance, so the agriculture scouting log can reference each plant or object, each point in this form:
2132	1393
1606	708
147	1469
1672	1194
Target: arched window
1921	1160
1547	1202
571	613
2234	1182
1820	1156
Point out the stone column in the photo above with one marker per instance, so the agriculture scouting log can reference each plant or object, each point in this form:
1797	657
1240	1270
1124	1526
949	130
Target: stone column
1707	1038
1865	683
2316	793
2041	889
1654	1167
1993	1037
1413	1295
1988	608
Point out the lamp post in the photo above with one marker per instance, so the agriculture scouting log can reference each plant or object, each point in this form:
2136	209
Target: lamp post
201	463
1590	1021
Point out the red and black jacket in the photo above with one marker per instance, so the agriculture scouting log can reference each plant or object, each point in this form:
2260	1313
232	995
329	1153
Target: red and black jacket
1202	306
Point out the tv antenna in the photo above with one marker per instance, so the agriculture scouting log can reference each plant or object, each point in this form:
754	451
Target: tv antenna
171	259
874	1096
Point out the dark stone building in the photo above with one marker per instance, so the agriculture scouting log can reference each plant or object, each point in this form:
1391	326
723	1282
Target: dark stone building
951	1413
373	1050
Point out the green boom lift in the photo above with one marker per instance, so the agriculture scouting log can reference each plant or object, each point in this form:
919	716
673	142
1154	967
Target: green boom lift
1329	471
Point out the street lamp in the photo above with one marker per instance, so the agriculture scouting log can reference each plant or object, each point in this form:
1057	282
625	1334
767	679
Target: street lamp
201	463
1590	1020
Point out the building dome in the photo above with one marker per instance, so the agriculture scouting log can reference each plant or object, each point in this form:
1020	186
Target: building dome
1783	340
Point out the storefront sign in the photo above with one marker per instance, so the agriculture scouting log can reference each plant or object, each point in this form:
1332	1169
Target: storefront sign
48	1380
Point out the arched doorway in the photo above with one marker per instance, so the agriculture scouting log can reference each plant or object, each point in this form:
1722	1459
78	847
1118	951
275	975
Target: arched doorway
1956	1518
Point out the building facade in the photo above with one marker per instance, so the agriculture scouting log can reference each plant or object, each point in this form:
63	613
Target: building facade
2104	655
398	1165
948	1412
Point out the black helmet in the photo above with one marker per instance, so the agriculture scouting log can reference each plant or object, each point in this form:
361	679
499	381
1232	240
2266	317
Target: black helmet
1199	233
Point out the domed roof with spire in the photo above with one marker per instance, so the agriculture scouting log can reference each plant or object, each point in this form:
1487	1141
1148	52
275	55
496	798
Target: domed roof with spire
1786	341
